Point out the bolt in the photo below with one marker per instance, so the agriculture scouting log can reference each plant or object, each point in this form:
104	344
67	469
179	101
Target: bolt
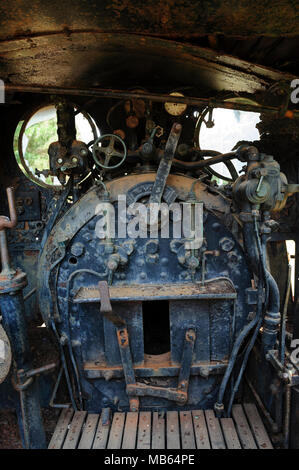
226	244
177	128
83	152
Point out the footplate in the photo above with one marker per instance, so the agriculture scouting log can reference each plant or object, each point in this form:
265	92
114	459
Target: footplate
196	429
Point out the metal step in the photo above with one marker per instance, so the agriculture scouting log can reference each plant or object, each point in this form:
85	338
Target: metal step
196	429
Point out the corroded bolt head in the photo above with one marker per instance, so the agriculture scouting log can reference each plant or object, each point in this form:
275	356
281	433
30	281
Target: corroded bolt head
177	128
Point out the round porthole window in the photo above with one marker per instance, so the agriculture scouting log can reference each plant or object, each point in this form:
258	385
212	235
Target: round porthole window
222	129
33	136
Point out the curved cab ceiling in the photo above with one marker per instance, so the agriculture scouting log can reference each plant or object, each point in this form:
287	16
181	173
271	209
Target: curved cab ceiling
107	42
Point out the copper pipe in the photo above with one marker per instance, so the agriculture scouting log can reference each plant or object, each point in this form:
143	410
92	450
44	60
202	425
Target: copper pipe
12	222
5	222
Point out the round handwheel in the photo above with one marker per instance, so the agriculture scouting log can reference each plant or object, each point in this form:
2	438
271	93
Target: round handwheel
102	155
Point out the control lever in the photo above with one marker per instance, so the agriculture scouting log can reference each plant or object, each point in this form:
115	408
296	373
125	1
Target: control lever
5	223
165	164
122	339
106	308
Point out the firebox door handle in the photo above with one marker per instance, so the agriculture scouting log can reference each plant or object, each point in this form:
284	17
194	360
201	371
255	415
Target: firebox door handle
106	307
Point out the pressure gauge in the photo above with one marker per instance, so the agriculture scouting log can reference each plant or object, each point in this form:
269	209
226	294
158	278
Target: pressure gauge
175	109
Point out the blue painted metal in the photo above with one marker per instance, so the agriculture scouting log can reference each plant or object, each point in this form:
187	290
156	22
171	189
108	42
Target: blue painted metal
14	322
13	317
74	258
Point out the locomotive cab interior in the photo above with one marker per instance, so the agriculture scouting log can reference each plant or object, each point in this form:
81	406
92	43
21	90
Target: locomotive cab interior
148	231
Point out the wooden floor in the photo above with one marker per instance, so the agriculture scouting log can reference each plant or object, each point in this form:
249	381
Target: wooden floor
195	429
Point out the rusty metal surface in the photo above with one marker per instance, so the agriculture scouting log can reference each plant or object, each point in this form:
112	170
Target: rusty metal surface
81	213
171	18
103	59
220	289
154	366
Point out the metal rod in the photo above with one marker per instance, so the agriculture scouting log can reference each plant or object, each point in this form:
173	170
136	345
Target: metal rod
27	296
271	422
287	419
6	222
5	260
123	94
282	337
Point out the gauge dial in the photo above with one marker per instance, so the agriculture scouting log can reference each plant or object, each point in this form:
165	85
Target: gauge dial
175	109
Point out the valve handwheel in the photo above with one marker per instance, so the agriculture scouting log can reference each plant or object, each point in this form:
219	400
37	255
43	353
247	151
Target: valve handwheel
102	155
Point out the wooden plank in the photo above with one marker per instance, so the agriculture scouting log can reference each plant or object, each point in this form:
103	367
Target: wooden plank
243	428
144	430
61	429
101	436
230	434
158	431
74	432
173	430
116	432
88	433
200	430
257	427
215	433
187	432
130	432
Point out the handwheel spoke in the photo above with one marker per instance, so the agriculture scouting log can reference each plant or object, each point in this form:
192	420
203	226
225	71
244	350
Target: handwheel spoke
111	143
107	160
117	154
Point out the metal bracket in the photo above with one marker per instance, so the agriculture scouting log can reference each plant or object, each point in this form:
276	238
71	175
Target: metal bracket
184	375
126	359
133	388
285	373
180	395
122	338
26	378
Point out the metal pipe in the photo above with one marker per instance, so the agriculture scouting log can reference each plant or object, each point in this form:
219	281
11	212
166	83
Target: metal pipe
14	322
13	318
259	316
272	317
162	98
27	296
287	418
5	260
208	162
282	337
271	422
238	343
12	221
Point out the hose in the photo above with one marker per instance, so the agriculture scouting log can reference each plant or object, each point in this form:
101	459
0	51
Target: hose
272	302
238	343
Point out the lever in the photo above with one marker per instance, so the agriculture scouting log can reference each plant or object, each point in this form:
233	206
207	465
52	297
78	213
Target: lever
5	223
